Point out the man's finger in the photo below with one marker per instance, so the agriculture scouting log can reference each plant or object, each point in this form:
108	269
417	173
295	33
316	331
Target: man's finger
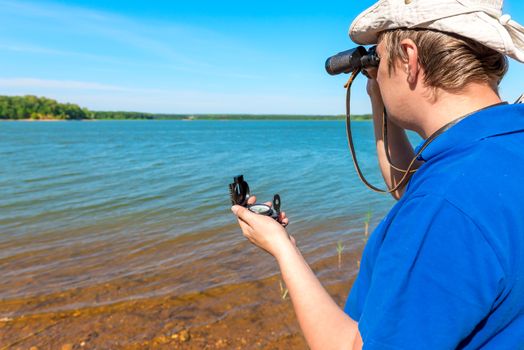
370	72
269	204
252	200
246	229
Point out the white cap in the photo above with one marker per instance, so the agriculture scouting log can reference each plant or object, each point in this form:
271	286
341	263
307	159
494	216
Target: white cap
479	20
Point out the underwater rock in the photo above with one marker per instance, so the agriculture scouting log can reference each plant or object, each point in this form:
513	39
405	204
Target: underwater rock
184	335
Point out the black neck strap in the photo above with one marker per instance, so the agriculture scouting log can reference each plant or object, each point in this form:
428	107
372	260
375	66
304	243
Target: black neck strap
410	170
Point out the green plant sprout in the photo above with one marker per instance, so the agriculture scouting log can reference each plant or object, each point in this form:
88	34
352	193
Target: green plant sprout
283	291
366	226
340	248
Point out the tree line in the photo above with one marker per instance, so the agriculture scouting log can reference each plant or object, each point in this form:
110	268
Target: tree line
32	107
42	108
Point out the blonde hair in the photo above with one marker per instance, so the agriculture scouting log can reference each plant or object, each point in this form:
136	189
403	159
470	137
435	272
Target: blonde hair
450	62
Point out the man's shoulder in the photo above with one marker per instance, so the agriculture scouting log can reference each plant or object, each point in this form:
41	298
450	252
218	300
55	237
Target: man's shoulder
478	178
480	165
483	182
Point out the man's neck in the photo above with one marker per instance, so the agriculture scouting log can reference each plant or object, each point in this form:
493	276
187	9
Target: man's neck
448	107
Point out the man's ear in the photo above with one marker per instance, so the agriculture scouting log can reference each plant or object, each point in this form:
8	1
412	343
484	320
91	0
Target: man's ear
411	65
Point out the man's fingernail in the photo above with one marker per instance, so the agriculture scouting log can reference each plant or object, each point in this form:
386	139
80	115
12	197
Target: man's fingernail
234	209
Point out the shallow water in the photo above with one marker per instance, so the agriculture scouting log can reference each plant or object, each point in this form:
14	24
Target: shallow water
105	212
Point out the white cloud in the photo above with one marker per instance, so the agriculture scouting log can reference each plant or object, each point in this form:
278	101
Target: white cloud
33	83
32	49
168	41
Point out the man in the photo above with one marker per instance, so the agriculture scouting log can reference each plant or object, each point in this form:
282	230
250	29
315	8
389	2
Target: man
445	268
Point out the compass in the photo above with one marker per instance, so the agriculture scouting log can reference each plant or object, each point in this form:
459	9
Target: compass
239	194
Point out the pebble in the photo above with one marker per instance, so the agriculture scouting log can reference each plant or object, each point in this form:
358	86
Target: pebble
221	343
162	339
33	348
67	347
184	335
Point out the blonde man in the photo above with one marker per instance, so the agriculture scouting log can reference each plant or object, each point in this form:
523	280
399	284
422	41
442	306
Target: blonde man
445	268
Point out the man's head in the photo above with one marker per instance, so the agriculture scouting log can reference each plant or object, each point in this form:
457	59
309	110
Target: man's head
434	48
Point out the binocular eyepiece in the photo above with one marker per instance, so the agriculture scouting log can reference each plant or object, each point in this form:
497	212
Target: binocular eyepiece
351	60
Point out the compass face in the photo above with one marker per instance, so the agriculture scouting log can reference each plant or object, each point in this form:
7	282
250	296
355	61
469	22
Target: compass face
259	208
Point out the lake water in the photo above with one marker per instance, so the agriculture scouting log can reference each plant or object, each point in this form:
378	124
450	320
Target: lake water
144	204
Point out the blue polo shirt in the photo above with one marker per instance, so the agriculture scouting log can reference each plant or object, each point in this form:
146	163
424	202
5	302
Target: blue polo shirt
445	268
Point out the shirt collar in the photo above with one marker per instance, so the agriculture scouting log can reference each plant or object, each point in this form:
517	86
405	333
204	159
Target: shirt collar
493	121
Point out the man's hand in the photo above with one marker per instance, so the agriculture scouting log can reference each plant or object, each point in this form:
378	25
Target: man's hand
263	231
372	87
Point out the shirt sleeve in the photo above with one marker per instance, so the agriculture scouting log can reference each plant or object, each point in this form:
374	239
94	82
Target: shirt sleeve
434	280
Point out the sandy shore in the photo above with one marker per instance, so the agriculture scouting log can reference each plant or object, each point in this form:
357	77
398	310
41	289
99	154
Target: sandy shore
239	316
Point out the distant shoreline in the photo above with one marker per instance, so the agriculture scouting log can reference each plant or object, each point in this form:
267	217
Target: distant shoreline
253	117
303	119
33	108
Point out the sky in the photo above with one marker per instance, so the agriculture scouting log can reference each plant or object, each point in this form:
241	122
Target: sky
264	57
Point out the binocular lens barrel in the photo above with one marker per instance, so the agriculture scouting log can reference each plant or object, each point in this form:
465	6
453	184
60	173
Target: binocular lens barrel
350	60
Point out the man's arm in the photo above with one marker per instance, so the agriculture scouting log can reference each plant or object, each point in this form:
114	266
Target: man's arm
400	149
323	322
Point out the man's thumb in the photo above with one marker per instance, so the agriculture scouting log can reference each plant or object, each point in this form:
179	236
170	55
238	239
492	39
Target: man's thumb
242	212
237	210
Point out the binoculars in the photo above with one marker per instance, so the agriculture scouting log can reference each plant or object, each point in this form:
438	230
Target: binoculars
352	60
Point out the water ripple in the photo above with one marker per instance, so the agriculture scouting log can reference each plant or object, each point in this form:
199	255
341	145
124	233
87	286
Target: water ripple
141	204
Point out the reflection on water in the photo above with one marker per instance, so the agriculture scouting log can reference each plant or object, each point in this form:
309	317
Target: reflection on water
114	211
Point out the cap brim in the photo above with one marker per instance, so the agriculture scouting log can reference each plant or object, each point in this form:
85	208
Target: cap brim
365	28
